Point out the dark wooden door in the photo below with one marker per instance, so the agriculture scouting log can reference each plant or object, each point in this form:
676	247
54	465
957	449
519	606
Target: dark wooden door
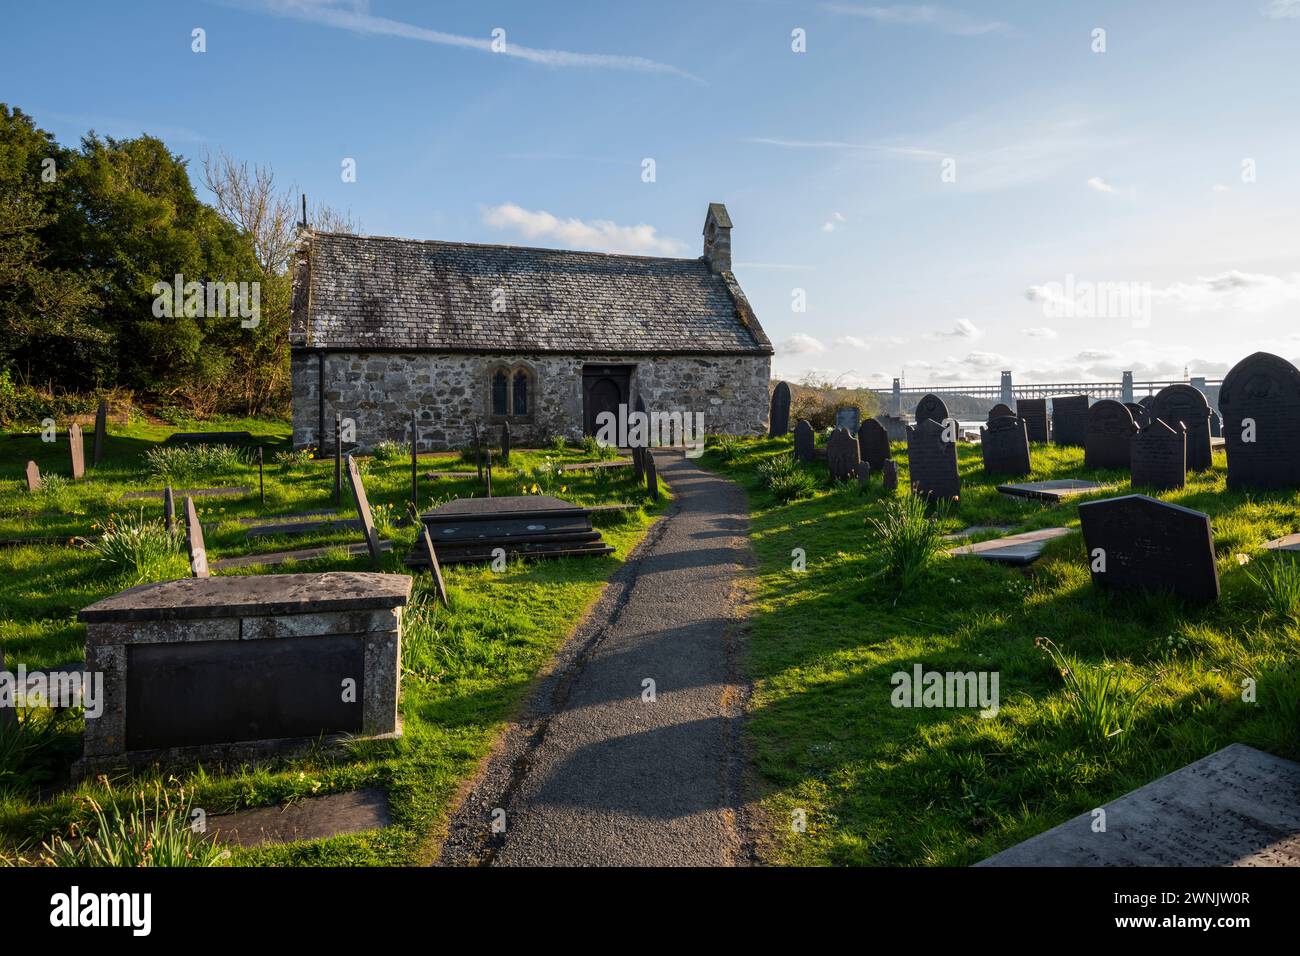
604	388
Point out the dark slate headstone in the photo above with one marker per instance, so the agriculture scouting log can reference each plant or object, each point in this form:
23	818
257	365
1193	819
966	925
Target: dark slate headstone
651	476
1159	456
1109	435
505	443
1186	404
848	418
1145	401
169	509
1070	420
33	477
1140	543
1138	411
998	411
932	461
1033	411
101	432
478	450
77	451
890	474
434	567
338	457
363	511
1260	401
895	427
932	407
1004	443
487	470
805	442
415	467
638	462
842	455
194	541
779	414
1216	425
864	474
873	443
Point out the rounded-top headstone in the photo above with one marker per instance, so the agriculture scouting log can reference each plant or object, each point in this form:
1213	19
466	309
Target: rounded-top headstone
779	415
1260	402
1187	404
931	407
1109	432
873	443
999	410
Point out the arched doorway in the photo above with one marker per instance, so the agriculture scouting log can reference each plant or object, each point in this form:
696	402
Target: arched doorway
604	388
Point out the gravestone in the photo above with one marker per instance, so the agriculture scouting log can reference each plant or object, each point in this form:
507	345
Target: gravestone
434	567
1145	401
1216	424
101	432
338	458
1070	420
1020	549
487	470
848	418
638	462
33	477
478	451
651	476
932	462
1188	405
895	427
1109	435
77	451
805	442
169	509
8	715
1141	543
1004	443
194	541
1159	456
1138	411
363	511
873	443
1260	401
932	407
889	475
842	455
864	474
1033	412
779	414
999	410
505	443
1057	489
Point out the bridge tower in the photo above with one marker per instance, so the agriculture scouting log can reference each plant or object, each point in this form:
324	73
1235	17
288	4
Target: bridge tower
898	397
1008	393
1126	388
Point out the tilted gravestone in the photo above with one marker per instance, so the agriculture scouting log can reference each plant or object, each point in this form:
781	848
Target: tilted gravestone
1159	456
1138	411
363	511
169	509
1186	404
77	451
33	477
1109	435
842	455
1260	401
848	418
864	474
889	475
434	567
932	407
505	443
1033	411
1141	543
1004	442
101	432
1070	420
932	461
805	442
778	418
1216	424
651	476
998	411
873	443
194	541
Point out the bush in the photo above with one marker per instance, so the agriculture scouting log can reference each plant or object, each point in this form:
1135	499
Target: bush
22	406
546	479
178	463
786	479
817	402
908	539
387	451
139	550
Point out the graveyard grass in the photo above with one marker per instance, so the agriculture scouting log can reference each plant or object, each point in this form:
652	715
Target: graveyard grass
466	668
896	786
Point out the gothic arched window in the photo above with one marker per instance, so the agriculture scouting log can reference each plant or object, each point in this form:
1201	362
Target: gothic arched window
521	393
500	385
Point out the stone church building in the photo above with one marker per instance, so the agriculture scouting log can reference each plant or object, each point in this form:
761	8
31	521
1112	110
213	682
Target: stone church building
545	339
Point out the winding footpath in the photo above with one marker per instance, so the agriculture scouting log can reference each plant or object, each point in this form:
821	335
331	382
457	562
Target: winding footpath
595	773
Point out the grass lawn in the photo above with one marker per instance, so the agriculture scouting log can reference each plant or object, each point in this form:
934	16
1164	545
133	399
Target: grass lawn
885	785
465	668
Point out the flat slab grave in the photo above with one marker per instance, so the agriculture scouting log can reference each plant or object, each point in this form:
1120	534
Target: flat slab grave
1013	549
1139	543
975	529
1057	489
271	559
1237	807
1290	542
232	492
236	668
314	818
209	438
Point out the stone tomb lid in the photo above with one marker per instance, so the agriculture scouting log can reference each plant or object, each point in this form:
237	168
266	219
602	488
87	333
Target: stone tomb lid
241	595
507	505
1053	490
1014	549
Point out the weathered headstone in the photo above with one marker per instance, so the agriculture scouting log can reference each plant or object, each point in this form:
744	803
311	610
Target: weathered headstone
1056	489
805	442
33	477
1004	442
895	426
1260	401
434	567
101	432
415	468
487	470
998	411
847	417
194	541
169	509
932	461
932	407
1145	401
873	443
338	458
1159	456
842	455
1138	411
363	511
478	451
1186	404
1216	424
1070	420
505	443
779	414
1141	543
77	451
651	476
889	475
864	474
1033	411
1109	435
638	462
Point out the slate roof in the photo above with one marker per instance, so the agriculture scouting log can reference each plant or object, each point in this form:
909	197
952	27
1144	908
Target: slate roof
378	293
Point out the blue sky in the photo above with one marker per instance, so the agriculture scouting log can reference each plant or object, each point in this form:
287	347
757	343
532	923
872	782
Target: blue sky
1165	165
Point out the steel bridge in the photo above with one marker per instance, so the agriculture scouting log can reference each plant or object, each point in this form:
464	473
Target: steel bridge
1007	391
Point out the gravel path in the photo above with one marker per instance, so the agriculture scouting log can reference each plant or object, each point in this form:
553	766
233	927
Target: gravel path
593	774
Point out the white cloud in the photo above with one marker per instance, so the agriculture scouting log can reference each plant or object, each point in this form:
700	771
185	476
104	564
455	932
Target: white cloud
1282	9
1039	332
598	234
961	329
983	360
830	224
1099	184
945	20
1236	290
1219	188
852	342
800	344
1095	355
354	15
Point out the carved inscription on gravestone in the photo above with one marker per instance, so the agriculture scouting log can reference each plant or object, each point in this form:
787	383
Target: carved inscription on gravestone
1260	401
1141	543
1159	456
1034	413
932	461
1109	435
1004	442
1186	404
